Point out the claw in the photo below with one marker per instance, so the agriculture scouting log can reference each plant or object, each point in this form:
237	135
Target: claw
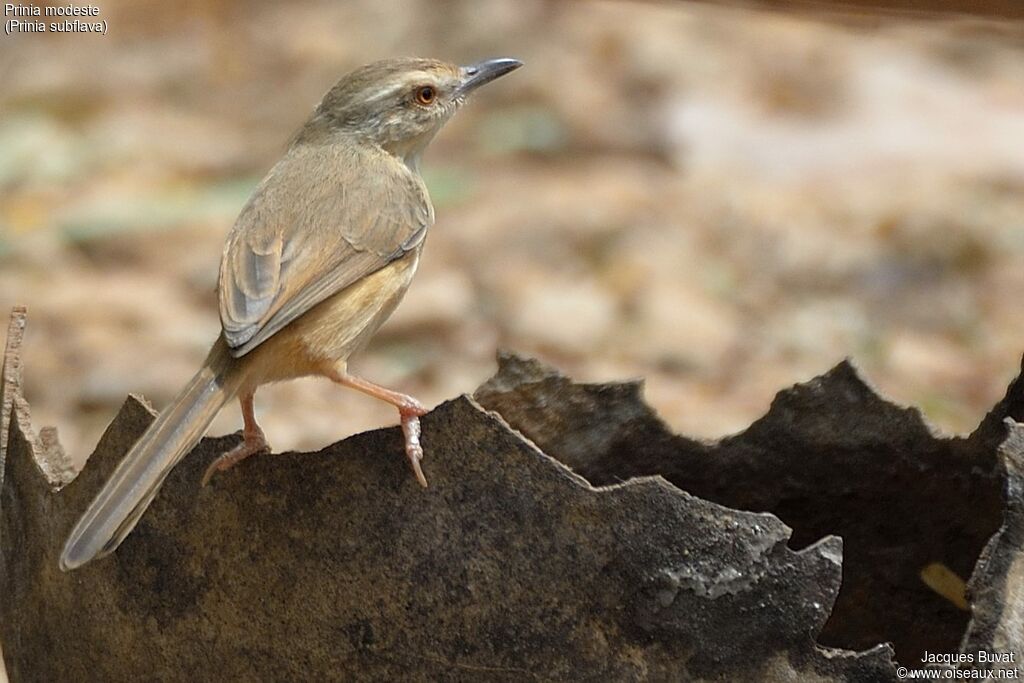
413	449
250	446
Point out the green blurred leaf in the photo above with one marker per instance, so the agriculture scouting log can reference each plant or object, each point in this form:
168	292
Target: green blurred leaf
527	128
448	184
157	211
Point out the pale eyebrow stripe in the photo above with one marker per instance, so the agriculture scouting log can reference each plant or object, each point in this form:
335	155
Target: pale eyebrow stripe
408	82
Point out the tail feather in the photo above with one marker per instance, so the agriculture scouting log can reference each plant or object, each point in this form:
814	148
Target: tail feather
136	480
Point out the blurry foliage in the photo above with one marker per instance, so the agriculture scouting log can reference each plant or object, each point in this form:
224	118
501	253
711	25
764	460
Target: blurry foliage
517	129
166	209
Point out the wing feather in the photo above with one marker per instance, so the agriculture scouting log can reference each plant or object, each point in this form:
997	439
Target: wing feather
300	240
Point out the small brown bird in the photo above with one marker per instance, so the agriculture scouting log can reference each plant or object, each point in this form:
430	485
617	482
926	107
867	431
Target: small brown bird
318	259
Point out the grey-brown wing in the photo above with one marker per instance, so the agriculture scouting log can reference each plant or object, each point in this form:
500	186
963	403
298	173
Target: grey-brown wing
296	245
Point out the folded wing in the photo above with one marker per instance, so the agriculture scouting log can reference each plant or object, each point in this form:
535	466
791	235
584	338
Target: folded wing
301	239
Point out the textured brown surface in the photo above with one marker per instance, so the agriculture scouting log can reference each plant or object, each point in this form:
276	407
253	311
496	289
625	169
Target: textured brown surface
997	624
10	379
14	409
830	457
334	565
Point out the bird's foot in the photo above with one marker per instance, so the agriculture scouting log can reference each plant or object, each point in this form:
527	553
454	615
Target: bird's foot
409	409
410	413
252	444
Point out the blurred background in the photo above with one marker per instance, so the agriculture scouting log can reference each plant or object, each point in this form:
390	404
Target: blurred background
721	201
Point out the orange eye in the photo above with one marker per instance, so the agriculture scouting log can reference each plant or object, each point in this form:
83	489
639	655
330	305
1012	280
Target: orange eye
426	95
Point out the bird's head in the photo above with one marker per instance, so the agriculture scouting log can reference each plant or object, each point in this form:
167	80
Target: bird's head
400	104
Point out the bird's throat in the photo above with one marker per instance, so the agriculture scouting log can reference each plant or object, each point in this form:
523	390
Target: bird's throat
410	150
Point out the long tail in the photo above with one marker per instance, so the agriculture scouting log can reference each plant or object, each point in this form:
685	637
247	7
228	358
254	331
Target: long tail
132	486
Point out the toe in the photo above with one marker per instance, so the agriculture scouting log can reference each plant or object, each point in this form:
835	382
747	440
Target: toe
418	470
210	471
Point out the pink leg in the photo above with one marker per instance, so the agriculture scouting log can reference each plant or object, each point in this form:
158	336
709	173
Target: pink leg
409	410
253	441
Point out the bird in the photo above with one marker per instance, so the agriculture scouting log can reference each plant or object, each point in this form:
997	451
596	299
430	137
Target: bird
318	258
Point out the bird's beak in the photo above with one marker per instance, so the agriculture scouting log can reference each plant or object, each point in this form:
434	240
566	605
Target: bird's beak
484	72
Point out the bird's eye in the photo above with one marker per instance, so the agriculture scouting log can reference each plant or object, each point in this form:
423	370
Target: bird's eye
426	95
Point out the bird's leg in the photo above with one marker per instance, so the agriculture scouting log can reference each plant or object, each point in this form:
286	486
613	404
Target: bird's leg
409	410
253	440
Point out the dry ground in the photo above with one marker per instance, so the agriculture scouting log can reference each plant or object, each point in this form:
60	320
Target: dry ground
720	201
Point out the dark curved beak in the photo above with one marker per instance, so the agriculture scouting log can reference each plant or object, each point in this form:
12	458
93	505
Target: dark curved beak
484	72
